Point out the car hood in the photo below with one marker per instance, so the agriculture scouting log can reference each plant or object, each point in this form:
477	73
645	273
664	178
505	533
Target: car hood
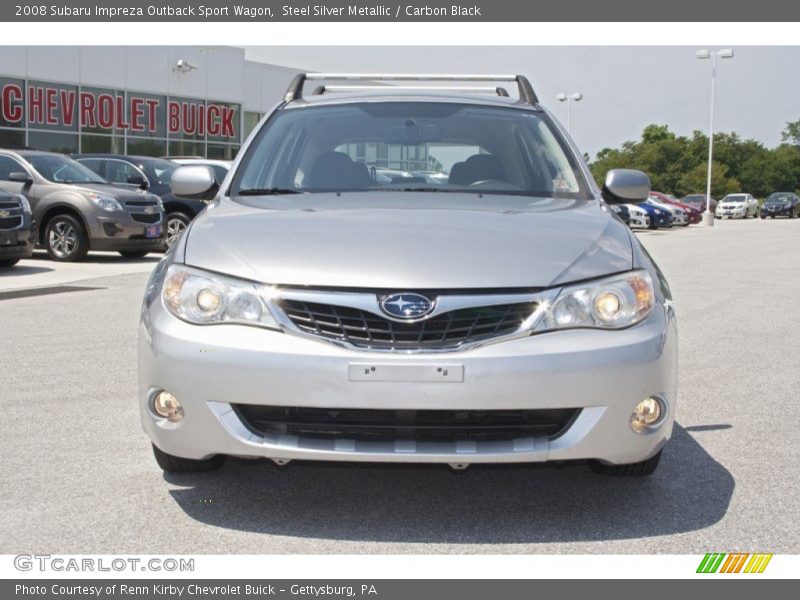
732	205
120	193
409	241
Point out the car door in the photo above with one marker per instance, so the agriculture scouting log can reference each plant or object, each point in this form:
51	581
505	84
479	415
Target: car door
752	204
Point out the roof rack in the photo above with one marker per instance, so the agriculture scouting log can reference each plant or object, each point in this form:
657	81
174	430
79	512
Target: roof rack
295	90
324	89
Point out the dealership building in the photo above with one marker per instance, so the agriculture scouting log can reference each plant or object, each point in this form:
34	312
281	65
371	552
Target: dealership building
150	100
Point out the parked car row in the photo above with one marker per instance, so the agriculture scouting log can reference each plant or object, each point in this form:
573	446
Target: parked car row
657	212
71	205
662	210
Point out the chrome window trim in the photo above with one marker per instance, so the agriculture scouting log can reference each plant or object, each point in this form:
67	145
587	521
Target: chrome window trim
369	302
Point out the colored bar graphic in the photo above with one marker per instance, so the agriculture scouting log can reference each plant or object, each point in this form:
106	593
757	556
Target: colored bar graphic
735	561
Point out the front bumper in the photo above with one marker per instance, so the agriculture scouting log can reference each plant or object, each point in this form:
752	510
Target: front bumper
20	242
730	214
120	231
776	212
209	368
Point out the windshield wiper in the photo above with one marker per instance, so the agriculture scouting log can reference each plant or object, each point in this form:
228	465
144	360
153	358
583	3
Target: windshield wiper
273	191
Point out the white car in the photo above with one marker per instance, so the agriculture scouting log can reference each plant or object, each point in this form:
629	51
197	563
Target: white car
737	206
679	216
639	217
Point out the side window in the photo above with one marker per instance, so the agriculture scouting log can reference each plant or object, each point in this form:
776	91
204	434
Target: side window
8	166
95	164
120	172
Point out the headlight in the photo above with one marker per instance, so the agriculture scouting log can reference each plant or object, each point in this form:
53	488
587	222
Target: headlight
611	303
205	298
26	206
106	202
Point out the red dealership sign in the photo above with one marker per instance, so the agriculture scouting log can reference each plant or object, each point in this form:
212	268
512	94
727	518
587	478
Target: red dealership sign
67	107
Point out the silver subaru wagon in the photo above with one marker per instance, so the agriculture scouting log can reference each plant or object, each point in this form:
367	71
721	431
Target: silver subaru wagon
418	273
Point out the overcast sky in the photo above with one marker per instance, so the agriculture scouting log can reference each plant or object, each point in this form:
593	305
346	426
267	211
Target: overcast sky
624	87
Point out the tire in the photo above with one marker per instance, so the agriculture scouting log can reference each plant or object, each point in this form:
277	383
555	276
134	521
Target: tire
639	469
176	464
6	263
134	253
177	223
65	239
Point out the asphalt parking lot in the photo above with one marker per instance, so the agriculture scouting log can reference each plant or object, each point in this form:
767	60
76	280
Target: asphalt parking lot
79	476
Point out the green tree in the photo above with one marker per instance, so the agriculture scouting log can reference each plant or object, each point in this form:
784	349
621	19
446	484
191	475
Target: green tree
678	164
695	180
791	133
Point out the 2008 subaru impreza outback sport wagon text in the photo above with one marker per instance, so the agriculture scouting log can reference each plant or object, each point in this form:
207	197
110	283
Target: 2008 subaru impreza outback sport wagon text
419	273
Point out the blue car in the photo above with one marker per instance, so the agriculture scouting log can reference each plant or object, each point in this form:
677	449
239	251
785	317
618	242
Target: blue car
659	218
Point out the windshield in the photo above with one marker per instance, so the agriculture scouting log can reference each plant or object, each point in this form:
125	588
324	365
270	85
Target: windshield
61	169
734	198
779	198
159	170
410	146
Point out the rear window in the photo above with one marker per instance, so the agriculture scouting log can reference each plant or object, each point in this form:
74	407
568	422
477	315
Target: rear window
411	146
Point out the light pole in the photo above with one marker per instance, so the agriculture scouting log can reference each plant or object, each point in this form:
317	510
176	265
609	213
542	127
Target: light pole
569	99
708	215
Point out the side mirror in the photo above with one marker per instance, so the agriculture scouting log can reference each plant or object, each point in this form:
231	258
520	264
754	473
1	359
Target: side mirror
194	181
626	185
20	177
139	181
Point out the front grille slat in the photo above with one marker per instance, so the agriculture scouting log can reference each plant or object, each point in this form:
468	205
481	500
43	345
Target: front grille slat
146	218
368	330
419	425
12	222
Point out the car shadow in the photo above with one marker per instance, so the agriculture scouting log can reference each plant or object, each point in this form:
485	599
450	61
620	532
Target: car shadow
24	270
490	504
103	258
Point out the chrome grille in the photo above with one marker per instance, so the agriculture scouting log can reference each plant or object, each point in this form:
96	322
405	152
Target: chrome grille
10	214
140	210
146	218
365	329
11	222
140	203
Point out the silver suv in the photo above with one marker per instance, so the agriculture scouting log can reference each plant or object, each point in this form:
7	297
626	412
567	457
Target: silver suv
76	210
497	311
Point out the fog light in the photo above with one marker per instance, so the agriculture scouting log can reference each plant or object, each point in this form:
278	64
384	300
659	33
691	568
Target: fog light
166	405
646	414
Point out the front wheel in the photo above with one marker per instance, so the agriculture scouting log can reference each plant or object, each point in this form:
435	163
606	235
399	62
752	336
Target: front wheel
134	253
176	464
176	224
5	263
639	469
65	239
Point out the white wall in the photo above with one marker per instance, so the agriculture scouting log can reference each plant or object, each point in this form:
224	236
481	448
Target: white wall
222	72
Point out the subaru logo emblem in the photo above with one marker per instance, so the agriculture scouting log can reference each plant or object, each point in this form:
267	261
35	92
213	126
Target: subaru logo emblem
406	305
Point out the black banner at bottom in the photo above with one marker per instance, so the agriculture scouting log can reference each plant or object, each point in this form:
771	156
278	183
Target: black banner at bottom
378	589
